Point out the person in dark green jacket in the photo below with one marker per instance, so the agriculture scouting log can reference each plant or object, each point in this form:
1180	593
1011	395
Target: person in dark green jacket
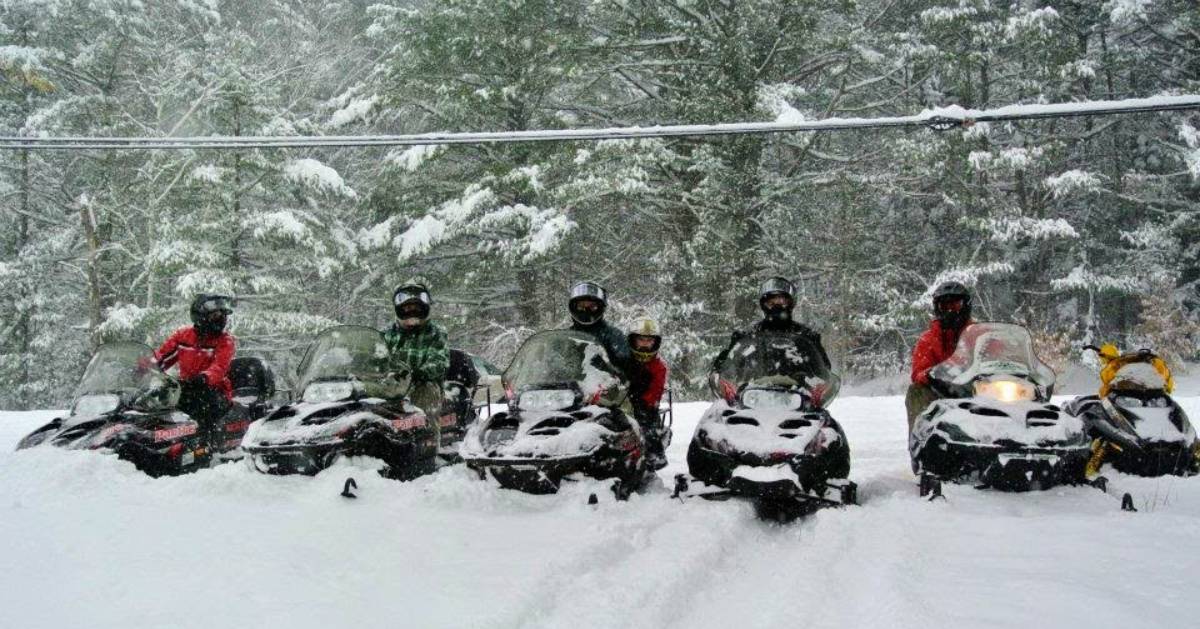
587	304
418	344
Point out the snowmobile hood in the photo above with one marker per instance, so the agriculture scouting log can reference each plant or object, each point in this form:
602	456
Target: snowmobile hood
88	433
764	433
538	436
1154	419
318	424
984	421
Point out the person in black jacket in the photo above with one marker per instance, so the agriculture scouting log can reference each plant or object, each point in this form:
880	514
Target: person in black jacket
587	304
777	299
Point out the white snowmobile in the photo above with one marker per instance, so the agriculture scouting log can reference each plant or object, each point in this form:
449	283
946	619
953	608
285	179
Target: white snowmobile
995	424
768	437
564	420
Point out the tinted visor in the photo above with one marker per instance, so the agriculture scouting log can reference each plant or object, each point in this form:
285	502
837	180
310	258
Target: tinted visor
950	304
776	285
589	289
216	303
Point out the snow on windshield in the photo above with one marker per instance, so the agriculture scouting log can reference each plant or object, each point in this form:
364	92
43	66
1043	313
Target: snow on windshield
993	349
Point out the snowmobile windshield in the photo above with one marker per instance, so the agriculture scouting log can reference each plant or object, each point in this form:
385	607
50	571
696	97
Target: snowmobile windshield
350	361
779	361
993	349
563	360
124	373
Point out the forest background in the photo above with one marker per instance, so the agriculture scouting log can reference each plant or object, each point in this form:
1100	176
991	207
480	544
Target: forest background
1083	229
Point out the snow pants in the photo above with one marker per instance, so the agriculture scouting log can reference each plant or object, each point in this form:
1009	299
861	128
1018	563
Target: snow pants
918	399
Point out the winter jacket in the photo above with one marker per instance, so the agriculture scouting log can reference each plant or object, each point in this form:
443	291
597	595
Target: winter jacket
422	349
613	340
208	355
935	345
647	381
789	328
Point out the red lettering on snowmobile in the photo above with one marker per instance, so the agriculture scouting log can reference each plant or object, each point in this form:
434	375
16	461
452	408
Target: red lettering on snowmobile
167	434
406	423
237	426
447	420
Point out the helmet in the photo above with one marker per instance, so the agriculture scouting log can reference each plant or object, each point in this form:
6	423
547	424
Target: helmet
644	326
585	292
952	304
412	303
211	312
772	287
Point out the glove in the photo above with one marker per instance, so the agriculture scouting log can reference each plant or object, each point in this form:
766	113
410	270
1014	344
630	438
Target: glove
198	380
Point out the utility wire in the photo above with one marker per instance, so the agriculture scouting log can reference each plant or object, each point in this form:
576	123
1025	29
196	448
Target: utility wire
943	119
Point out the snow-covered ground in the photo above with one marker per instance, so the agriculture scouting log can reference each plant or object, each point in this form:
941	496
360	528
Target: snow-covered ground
89	541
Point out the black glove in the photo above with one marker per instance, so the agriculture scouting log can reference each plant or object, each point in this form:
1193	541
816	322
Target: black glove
198	380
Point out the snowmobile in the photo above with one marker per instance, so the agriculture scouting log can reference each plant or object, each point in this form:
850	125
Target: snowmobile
1134	423
459	409
352	403
125	405
768	436
563	420
995	424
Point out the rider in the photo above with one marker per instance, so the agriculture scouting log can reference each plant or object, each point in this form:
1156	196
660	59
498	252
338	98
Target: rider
419	344
952	313
587	304
647	381
776	298
203	352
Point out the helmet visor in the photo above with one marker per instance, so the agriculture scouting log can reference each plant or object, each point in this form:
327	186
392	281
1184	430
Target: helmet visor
589	289
951	305
776	285
216	303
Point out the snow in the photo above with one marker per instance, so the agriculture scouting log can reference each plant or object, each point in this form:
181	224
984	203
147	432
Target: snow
101	545
312	173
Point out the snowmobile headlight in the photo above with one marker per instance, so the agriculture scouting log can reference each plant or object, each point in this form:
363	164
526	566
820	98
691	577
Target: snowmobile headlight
546	400
767	399
95	405
328	391
1005	390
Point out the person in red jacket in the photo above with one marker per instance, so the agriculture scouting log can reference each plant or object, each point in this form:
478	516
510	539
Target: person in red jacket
202	352
952	313
647	381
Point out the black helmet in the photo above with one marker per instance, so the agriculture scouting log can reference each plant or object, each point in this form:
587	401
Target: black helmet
772	287
587	291
211	312
952	304
411	301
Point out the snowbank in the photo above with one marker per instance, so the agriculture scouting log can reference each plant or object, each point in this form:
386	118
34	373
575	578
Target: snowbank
91	542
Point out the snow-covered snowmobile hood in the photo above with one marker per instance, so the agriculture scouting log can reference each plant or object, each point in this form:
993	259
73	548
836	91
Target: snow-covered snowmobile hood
538	436
980	420
1154	424
319	424
84	432
763	433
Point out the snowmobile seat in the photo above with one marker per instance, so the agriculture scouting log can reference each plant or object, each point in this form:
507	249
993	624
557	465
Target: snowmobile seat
253	381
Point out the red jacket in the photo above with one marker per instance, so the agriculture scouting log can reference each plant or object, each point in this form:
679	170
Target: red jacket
647	382
934	346
195	354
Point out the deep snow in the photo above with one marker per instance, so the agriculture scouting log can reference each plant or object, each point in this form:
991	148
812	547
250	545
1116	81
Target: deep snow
89	541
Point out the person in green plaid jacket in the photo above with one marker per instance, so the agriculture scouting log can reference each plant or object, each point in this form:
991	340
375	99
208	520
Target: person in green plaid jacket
419	344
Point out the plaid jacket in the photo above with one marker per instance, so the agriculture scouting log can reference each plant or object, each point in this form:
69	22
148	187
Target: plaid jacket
423	349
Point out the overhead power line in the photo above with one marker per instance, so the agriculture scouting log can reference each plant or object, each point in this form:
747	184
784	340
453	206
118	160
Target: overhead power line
942	119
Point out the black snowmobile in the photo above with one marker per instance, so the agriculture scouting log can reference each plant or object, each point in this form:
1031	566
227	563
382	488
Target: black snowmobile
768	437
352	403
125	405
995	425
563	420
1135	424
